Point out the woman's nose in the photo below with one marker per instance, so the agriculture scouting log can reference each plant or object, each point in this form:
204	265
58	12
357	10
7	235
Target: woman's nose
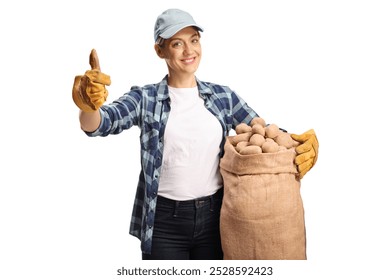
188	49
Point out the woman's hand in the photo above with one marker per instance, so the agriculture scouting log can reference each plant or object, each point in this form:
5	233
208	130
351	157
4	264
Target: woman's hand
307	151
89	91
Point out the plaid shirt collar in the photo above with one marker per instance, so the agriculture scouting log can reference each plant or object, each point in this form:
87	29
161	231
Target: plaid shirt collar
163	92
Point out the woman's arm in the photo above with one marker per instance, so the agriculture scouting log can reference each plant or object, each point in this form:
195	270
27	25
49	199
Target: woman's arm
89	121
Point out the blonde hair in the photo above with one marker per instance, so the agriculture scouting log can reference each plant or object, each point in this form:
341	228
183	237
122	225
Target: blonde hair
160	40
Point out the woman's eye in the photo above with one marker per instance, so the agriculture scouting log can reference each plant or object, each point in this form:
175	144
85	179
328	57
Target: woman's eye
176	44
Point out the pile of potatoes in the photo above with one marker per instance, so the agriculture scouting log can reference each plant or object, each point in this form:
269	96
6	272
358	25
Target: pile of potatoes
258	138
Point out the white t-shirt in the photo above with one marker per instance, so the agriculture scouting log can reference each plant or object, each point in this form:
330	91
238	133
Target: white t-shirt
190	167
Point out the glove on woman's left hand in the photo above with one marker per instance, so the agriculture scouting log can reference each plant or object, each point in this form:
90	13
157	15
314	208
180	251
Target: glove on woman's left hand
307	151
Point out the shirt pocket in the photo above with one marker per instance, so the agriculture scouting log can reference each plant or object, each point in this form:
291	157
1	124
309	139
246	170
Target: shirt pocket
150	134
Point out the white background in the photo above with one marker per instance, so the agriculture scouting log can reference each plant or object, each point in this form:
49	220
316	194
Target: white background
66	199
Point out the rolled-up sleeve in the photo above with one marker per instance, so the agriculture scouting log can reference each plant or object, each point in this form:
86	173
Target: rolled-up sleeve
241	112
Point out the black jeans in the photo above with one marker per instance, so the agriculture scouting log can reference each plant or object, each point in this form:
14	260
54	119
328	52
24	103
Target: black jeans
187	230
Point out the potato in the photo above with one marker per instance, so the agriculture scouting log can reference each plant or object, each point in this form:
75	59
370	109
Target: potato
285	140
240	138
282	148
258	129
272	131
241	145
243	128
270	147
251	150
270	140
258	120
257	139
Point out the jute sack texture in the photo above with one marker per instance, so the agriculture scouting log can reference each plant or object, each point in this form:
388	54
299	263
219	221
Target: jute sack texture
262	215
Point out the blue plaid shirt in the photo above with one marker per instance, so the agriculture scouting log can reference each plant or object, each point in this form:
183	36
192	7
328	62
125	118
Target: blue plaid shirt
148	107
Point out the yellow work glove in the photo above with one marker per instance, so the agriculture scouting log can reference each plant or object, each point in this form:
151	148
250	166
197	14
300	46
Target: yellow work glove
89	91
307	151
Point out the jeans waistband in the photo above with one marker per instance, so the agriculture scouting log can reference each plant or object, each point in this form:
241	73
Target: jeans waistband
197	202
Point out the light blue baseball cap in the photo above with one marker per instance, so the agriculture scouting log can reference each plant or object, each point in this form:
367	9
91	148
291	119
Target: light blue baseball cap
172	21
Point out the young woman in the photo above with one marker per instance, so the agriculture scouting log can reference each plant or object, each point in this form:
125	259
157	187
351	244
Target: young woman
183	123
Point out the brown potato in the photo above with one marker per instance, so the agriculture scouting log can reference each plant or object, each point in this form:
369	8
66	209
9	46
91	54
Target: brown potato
272	131
240	138
282	148
251	150
241	145
270	140
243	128
258	129
257	139
285	140
258	120
270	147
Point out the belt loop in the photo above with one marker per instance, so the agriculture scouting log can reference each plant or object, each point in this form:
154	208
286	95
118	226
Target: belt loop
176	206
212	203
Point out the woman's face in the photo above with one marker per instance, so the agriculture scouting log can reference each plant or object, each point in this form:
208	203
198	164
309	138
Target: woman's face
182	52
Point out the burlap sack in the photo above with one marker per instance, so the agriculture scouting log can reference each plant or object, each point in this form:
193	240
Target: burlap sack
262	216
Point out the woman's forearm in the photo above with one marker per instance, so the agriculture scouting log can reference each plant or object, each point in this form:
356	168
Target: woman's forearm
89	121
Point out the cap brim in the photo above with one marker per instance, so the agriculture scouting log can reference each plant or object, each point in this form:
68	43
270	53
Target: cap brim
174	29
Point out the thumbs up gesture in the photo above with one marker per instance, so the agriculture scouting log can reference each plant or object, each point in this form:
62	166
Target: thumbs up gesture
89	91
